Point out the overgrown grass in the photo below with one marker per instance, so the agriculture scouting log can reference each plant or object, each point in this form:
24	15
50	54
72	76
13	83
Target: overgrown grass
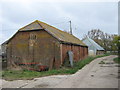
117	60
25	74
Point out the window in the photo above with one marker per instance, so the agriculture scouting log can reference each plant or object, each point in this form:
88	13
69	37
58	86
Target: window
33	37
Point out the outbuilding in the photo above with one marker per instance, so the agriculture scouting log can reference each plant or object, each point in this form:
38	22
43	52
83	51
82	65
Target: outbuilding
93	47
40	43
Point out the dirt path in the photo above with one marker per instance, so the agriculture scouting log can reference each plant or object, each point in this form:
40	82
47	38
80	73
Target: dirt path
93	75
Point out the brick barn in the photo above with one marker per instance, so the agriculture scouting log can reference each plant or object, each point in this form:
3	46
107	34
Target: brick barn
41	43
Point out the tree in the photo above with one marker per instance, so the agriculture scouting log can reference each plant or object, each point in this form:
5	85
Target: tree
116	44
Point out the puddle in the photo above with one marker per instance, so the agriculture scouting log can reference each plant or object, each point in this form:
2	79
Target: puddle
118	77
41	86
92	75
109	63
117	65
106	66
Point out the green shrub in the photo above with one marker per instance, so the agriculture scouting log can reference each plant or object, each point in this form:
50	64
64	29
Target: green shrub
117	60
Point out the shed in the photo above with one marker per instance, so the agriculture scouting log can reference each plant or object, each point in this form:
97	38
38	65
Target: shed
93	47
43	44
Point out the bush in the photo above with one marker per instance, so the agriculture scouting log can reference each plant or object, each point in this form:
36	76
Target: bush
117	60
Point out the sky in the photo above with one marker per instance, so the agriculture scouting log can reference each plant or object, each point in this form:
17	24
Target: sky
84	15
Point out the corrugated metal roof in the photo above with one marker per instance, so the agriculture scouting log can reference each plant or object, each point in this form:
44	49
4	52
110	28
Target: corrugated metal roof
89	42
59	34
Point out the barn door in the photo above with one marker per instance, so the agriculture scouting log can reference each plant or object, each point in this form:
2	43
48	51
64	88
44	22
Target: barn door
52	59
53	55
32	41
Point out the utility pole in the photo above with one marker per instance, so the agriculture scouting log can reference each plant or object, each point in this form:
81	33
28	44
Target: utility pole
70	28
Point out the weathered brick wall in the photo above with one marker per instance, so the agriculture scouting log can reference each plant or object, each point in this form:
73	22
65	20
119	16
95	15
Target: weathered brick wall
34	46
79	52
100	52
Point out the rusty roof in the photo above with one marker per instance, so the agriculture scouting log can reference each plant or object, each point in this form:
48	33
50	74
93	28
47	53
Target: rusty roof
59	34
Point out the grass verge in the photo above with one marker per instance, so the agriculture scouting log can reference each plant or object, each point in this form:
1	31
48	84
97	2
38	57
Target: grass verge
116	60
25	74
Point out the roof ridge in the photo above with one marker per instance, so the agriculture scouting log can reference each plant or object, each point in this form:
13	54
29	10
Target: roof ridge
27	25
52	26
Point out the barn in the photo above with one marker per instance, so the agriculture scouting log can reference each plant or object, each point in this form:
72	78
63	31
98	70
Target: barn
40	43
93	47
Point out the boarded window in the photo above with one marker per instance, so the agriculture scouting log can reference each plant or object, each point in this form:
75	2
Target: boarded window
32	37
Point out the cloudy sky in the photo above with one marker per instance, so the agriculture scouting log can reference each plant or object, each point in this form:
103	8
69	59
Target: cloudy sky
84	15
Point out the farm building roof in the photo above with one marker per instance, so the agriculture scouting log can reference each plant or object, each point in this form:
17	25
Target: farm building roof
59	34
88	41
